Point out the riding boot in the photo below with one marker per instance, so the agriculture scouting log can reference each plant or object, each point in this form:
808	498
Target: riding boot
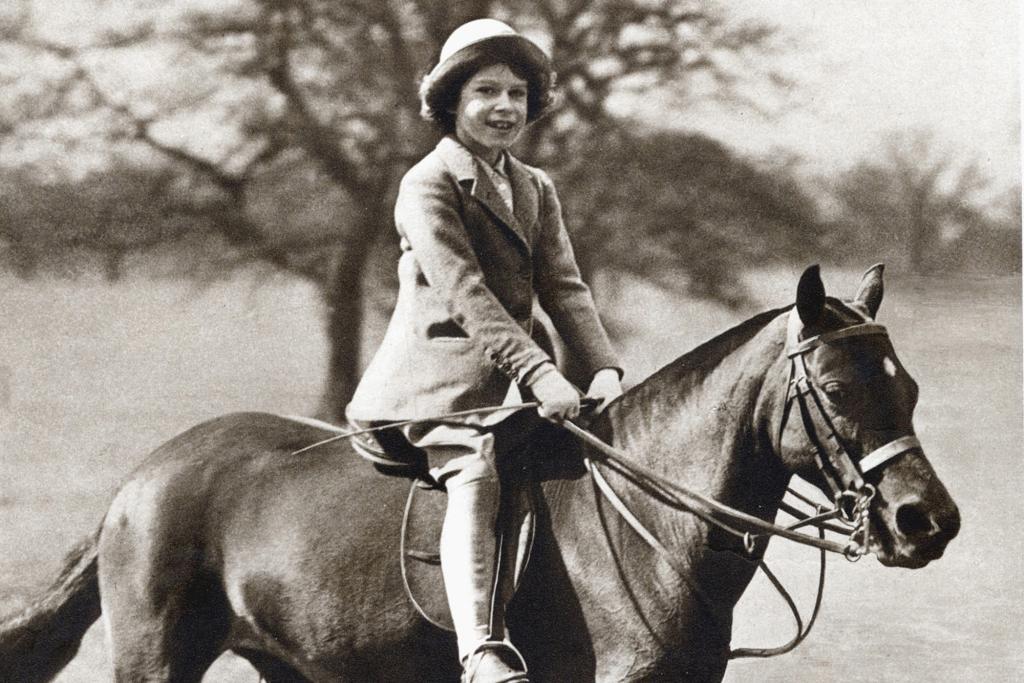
470	557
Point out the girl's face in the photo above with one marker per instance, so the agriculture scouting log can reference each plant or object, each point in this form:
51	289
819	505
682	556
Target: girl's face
491	113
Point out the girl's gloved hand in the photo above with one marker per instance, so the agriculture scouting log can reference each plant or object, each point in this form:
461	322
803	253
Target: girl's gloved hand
605	386
559	399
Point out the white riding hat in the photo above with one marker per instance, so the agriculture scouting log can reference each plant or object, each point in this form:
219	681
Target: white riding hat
467	42
483	30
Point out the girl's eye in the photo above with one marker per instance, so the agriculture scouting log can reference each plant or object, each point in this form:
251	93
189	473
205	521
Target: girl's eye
518	94
485	89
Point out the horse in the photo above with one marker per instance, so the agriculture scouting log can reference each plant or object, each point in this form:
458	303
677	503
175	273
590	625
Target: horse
224	540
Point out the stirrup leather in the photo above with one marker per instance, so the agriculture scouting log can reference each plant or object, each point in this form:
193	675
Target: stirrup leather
473	659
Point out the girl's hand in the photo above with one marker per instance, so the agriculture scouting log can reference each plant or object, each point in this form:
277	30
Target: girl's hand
605	386
559	399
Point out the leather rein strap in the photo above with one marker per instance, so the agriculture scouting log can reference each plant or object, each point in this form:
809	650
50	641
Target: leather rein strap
734	521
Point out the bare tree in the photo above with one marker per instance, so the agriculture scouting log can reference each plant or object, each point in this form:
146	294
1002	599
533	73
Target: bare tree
299	100
912	199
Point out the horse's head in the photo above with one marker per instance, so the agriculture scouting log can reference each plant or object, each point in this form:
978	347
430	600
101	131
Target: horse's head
849	424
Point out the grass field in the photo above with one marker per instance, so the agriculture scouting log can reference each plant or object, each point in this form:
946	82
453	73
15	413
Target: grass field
93	376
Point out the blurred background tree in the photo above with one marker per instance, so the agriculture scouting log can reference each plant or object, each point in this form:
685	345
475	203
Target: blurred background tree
196	138
684	212
920	204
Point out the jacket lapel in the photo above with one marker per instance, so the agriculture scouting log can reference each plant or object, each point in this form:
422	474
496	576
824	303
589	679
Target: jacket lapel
524	193
466	169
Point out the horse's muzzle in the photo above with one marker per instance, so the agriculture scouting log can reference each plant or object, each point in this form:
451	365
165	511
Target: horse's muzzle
916	533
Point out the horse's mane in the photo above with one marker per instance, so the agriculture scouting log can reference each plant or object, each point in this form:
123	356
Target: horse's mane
697	362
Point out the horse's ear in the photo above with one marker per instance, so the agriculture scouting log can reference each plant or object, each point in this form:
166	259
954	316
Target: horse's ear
869	295
810	296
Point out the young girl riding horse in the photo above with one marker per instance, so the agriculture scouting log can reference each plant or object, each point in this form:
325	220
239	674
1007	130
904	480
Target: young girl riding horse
481	234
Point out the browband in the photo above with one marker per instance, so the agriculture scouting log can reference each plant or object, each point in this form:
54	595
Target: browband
797	348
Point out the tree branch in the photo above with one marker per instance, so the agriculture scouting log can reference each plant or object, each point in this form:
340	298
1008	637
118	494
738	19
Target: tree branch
315	137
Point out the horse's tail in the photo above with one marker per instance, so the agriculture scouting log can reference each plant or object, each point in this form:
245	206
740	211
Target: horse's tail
38	642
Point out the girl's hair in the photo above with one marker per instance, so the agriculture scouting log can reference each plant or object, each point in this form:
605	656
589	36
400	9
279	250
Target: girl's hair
440	89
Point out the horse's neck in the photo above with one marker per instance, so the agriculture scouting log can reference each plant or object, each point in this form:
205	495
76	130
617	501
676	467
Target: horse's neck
708	429
711	430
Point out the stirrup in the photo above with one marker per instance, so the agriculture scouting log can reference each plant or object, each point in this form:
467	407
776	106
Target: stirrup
472	661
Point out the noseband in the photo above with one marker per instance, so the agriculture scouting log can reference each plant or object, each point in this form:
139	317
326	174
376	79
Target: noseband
844	475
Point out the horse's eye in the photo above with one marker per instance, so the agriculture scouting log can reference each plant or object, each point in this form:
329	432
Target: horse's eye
835	391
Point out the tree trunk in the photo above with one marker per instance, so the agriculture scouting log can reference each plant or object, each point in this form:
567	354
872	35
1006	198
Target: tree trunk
343	294
919	234
113	263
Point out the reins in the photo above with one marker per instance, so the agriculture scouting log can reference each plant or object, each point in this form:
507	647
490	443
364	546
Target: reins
736	522
669	492
680	497
729	519
851	494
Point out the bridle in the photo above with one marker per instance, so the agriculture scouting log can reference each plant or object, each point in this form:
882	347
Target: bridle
852	495
845	476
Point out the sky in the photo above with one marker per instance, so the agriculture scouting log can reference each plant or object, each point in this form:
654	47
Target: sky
864	67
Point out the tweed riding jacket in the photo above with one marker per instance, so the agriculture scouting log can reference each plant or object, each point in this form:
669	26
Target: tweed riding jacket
470	266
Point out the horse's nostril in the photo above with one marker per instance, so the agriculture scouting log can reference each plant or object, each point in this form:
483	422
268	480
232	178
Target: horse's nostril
912	521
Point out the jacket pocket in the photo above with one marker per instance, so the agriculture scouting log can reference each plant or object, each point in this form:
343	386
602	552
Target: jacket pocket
446	331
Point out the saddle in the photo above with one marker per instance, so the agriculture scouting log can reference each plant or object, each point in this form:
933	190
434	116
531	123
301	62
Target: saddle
520	473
